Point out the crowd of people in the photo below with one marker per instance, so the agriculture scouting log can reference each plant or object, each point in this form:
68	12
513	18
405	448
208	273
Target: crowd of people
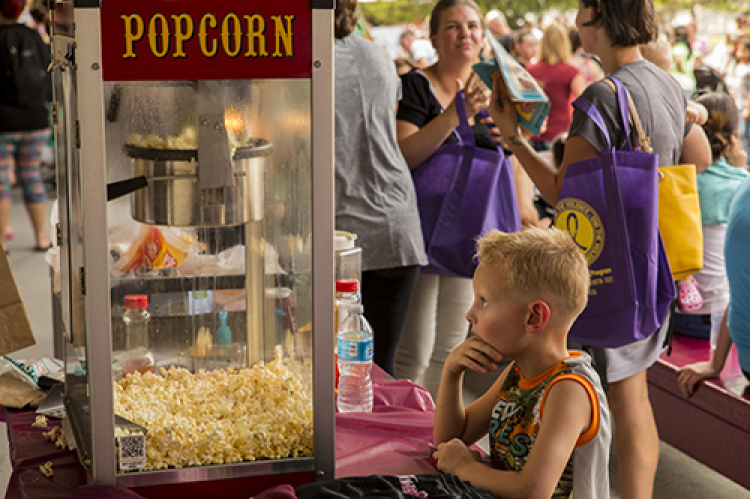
693	103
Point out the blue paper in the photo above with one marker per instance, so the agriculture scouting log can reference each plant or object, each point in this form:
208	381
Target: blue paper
515	82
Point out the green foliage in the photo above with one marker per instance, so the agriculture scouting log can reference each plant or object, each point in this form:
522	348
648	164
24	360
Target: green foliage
414	11
380	13
663	6
397	12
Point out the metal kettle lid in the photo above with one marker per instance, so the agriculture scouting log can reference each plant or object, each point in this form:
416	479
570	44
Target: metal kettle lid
253	148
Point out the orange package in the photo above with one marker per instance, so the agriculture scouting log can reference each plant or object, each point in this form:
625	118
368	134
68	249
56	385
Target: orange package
156	249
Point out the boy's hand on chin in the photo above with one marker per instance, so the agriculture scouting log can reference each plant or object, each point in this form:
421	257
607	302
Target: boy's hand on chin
473	354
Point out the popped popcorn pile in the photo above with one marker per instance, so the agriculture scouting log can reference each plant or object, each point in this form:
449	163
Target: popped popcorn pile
187	139
46	469
39	422
216	417
57	436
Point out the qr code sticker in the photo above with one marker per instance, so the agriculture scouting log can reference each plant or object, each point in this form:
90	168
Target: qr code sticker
132	452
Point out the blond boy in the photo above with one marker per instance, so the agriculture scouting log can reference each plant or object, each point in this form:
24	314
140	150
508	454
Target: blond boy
547	415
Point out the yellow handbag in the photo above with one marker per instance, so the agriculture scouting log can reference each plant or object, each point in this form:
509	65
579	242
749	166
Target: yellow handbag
680	221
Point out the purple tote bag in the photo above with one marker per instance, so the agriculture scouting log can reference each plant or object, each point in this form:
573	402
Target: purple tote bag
609	206
462	192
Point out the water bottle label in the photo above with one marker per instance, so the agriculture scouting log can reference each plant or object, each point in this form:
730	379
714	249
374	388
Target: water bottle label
360	350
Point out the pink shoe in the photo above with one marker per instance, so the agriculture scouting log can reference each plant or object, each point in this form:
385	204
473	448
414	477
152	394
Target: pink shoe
690	298
10	234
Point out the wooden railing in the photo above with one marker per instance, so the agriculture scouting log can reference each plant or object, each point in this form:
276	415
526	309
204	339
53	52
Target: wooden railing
713	425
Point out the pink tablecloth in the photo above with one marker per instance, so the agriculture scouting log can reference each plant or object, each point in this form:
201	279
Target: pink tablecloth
395	438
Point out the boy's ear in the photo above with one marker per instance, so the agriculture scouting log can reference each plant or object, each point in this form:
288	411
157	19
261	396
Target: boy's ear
538	316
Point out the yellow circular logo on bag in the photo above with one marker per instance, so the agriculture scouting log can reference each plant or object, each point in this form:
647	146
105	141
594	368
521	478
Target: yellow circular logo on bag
579	219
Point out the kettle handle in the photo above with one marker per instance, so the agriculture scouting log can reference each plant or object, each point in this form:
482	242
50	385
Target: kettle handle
124	187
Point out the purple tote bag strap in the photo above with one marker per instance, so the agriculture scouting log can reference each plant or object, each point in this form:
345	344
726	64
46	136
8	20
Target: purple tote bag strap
463	130
622	103
592	112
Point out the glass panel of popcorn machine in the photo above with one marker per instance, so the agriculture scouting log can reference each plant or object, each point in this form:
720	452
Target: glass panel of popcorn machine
213	227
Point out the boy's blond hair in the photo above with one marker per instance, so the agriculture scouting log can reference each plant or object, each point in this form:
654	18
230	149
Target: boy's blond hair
538	262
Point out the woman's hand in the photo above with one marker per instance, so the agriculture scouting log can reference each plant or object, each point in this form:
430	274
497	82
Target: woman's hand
494	132
503	113
476	97
735	153
696	113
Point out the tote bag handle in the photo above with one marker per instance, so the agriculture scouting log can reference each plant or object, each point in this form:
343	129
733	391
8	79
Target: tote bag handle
628	115
463	131
627	104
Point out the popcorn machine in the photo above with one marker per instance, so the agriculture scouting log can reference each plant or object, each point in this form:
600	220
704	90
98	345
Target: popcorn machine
195	179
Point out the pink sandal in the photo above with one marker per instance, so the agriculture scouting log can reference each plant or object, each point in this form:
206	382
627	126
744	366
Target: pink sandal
690	298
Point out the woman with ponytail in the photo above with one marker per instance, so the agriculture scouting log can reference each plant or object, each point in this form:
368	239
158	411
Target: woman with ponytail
716	188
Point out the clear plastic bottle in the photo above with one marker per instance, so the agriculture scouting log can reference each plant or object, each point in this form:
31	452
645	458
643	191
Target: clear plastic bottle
355	352
138	356
347	294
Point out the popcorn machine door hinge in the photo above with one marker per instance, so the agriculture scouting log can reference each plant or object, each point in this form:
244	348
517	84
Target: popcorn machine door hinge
82	277
77	134
54	112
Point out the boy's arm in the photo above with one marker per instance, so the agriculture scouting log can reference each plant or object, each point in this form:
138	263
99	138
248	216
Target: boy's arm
567	414
452	419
